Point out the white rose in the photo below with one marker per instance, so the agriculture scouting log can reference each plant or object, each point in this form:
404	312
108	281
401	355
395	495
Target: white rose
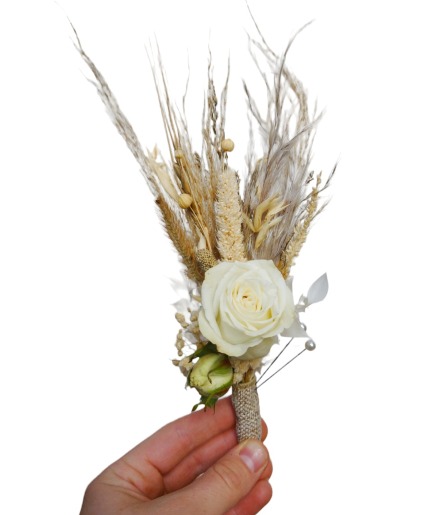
245	305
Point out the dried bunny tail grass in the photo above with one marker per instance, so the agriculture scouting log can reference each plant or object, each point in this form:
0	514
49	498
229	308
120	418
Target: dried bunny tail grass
265	218
181	238
230	241
118	118
287	132
224	181
300	232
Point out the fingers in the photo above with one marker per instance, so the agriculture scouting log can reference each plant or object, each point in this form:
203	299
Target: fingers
178	453
165	449
202	458
229	481
217	476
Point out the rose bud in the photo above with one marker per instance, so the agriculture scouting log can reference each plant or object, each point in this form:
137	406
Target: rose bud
212	375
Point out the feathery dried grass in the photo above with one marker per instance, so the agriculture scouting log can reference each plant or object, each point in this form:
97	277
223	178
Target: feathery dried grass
287	132
118	118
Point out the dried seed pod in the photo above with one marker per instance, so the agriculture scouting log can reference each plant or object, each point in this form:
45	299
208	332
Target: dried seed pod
227	145
206	259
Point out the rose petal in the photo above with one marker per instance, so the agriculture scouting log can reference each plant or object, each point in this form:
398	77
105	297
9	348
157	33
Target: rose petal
261	350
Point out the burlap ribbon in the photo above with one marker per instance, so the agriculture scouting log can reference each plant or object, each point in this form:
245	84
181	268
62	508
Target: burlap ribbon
247	408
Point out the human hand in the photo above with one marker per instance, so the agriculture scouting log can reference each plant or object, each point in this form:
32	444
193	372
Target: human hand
192	466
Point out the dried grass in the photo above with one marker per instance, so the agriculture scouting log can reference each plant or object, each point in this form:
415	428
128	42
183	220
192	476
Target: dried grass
181	239
198	194
299	235
287	131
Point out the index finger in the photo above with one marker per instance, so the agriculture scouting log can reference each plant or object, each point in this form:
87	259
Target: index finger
172	443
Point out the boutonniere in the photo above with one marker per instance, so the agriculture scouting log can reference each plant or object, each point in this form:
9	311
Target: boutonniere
237	247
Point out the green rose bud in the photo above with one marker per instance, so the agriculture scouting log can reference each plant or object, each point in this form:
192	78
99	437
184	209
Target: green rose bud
212	376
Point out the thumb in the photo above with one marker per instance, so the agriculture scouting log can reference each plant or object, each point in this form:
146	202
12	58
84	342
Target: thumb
229	480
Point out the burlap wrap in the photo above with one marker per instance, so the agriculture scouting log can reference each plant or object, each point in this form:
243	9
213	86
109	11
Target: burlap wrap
247	408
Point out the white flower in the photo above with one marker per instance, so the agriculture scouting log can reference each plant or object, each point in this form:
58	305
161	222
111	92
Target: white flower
245	305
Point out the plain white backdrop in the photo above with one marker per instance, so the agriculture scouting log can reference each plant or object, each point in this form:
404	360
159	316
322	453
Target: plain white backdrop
86	323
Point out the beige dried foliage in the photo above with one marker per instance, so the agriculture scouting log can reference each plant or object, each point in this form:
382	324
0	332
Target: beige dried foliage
299	235
230	240
213	130
265	218
181	238
160	173
193	177
244	369
185	364
181	319
180	343
265	229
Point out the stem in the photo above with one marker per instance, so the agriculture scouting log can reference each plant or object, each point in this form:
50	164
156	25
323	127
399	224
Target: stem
247	408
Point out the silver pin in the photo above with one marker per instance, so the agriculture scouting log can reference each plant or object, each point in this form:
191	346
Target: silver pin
282	367
274	361
309	345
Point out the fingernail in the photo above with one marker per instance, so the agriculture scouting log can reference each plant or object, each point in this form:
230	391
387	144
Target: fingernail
254	455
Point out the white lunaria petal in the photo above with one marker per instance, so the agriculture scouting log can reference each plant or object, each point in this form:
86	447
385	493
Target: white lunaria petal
318	290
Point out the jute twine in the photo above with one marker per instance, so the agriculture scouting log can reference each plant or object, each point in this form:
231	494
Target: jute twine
247	408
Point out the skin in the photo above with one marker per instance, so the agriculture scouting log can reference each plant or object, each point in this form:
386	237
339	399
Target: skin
191	466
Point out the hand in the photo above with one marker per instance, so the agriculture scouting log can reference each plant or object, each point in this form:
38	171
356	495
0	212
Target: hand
191	466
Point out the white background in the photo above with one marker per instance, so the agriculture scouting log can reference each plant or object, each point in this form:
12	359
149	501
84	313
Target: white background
86	326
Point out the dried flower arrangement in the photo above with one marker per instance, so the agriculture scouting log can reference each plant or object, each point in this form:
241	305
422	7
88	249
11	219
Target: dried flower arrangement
237	251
